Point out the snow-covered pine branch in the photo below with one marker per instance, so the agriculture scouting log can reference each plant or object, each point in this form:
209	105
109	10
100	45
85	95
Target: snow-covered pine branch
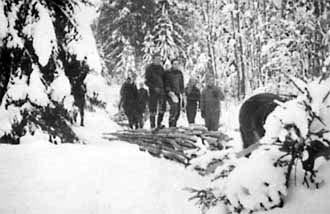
47	49
296	139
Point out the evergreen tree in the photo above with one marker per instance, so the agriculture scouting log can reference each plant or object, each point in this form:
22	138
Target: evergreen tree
142	24
126	61
148	48
34	56
168	41
123	21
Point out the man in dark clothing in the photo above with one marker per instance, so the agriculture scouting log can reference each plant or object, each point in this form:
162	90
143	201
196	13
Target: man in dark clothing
143	98
78	89
154	79
193	96
210	104
174	89
129	100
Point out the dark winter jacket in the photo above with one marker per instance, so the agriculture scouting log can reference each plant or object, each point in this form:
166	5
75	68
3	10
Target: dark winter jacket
129	95
174	81
193	94
193	97
154	77
143	98
210	100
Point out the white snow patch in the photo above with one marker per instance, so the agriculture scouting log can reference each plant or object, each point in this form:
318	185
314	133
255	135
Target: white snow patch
327	61
37	92
85	46
68	102
251	190
60	87
97	86
14	40
36	138
17	88
100	177
3	23
228	8
44	37
291	112
8	117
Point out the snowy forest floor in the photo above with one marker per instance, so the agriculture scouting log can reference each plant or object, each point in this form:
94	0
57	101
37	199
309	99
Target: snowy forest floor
103	176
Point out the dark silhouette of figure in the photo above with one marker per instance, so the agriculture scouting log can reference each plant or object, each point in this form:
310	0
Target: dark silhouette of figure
174	88
193	96
129	101
80	69
154	79
210	104
143	98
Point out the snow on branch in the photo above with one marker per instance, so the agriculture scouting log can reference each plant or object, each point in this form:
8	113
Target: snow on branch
44	38
296	138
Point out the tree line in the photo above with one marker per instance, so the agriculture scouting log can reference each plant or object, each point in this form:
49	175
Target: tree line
246	44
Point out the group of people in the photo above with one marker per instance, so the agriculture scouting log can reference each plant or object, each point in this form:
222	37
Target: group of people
167	86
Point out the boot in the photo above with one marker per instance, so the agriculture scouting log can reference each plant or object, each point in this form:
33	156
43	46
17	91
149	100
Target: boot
160	120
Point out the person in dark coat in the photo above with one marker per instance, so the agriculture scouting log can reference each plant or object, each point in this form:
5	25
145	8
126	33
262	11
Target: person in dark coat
193	96
143	98
78	89
210	104
174	88
154	79
129	101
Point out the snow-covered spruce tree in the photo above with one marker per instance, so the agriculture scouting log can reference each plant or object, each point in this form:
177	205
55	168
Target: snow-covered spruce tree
121	23
148	48
135	22
126	60
296	143
41	73
168	39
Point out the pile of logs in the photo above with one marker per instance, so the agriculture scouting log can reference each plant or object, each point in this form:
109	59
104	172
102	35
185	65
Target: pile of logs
172	143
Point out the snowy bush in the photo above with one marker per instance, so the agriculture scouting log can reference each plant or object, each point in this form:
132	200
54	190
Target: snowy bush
255	183
296	139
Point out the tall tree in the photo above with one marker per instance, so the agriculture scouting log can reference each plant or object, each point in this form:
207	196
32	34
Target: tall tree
147	25
123	22
37	43
168	41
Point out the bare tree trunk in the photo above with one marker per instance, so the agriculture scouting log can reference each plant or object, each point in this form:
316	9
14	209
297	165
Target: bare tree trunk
236	56
241	53
206	19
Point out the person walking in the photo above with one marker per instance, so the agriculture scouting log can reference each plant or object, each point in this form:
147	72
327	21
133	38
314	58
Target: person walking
210	104
143	98
129	101
154	79
193	96
174	89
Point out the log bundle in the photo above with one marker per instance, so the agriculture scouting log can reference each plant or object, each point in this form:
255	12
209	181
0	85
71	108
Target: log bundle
172	143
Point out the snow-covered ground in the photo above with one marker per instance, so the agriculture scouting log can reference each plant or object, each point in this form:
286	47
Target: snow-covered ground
100	177
115	177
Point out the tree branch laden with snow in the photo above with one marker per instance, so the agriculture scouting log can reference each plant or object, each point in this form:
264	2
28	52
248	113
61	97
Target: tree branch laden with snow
43	56
296	139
